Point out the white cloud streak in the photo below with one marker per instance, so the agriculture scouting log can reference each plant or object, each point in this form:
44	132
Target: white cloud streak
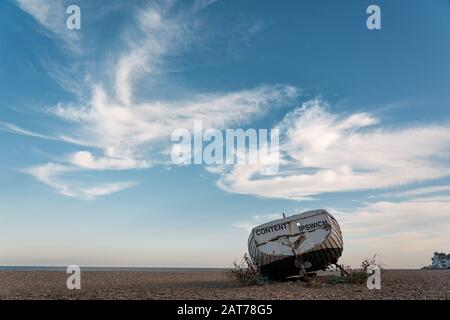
117	131
324	152
422	191
202	4
12	128
52	174
51	14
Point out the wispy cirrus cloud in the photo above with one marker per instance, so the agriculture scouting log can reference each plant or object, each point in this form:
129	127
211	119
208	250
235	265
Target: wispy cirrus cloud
325	152
12	128
414	192
86	160
118	129
202	4
52	174
121	131
51	15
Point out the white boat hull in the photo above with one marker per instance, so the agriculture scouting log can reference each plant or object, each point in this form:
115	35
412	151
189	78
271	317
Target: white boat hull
312	239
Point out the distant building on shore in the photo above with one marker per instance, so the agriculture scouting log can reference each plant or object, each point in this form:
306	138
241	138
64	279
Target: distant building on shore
440	260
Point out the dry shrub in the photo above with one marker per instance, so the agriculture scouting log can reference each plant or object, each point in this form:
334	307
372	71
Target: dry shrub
246	273
358	277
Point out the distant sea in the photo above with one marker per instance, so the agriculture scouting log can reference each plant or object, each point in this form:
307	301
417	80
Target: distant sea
137	269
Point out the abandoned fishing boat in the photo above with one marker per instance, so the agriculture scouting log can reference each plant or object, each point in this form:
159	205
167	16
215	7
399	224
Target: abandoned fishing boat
296	245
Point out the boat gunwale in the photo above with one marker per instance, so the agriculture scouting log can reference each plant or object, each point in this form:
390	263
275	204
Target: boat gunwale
304	215
316	213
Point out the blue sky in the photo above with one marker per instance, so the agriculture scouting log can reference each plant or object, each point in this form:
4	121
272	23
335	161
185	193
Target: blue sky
86	117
